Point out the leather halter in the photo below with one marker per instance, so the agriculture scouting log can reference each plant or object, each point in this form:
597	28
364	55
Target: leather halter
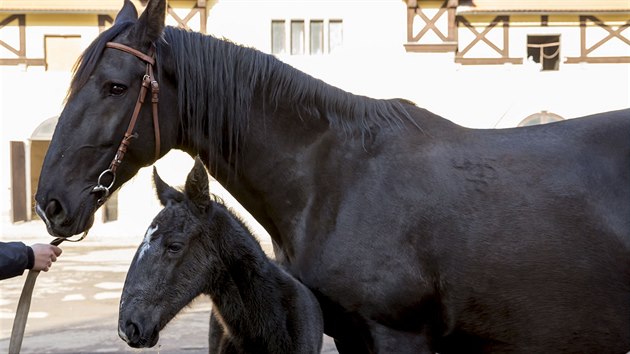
148	80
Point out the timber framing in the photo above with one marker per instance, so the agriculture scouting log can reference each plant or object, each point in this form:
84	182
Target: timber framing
104	21
14	45
501	49
446	25
448	40
198	8
20	52
586	53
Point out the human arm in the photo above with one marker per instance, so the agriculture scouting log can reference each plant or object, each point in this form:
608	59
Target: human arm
44	254
15	257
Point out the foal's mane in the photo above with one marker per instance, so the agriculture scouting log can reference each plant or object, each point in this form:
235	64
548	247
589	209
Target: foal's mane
219	80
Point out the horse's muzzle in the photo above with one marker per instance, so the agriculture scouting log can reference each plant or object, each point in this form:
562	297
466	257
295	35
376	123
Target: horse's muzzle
57	222
136	336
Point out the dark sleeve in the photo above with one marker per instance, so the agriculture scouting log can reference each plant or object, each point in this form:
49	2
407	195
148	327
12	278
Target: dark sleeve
15	257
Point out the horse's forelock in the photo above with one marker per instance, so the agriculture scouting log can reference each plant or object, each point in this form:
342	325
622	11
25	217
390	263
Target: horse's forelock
86	63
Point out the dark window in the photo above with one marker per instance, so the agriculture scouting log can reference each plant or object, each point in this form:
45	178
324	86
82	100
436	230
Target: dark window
540	118
544	50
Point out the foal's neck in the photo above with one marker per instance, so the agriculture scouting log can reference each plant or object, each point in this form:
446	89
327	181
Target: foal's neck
241	287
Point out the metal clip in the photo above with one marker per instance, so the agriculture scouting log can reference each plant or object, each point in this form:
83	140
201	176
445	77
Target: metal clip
100	188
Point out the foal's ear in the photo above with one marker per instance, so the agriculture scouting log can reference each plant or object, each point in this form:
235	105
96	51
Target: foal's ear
197	189
165	193
128	13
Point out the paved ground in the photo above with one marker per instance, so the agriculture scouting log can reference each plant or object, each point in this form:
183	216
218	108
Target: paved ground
75	305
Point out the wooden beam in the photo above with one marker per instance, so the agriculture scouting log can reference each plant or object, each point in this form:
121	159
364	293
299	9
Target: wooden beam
103	20
27	61
20	52
18	181
488	61
414	40
481	36
431	48
585	51
611	33
598	60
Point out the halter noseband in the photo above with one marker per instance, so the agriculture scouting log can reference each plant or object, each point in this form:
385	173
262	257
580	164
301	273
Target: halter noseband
147	80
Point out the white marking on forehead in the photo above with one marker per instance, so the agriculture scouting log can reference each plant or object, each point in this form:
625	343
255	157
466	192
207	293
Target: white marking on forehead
146	244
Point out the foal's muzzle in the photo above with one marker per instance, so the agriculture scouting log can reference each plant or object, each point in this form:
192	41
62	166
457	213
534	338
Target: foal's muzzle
136	336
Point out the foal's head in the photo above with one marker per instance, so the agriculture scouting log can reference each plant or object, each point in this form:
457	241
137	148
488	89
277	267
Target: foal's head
171	265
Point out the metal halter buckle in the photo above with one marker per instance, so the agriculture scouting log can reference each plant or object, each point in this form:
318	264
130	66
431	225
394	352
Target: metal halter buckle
100	188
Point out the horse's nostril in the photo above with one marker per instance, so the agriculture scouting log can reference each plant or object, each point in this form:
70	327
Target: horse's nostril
54	212
133	333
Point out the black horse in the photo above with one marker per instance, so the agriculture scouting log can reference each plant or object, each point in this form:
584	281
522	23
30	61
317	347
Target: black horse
196	245
416	234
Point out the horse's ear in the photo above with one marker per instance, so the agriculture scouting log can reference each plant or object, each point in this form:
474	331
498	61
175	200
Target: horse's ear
151	23
128	13
165	193
197	189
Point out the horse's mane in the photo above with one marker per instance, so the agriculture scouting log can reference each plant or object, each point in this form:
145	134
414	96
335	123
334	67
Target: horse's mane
86	63
218	81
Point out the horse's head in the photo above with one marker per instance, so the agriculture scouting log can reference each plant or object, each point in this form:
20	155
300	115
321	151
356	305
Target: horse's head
101	102
171	265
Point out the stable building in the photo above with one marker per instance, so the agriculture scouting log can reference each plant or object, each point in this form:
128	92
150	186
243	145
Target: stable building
480	63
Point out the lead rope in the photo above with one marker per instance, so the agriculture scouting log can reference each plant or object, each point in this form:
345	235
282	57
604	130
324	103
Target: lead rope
24	305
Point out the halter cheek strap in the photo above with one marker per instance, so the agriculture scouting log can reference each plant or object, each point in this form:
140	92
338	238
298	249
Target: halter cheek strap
148	80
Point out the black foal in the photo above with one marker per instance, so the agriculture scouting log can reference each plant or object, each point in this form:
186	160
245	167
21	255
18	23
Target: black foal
194	246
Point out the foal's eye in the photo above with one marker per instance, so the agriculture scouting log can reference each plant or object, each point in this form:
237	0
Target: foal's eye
175	247
117	89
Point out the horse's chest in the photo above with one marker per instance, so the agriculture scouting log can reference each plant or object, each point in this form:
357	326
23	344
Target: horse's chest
382	286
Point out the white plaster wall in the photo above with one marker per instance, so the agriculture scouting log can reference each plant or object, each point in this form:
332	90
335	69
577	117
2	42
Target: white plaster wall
27	98
373	62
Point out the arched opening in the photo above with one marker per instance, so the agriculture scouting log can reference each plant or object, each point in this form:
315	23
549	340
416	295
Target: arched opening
541	117
39	142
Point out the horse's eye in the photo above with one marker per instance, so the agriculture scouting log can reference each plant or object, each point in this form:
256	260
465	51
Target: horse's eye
117	89
175	247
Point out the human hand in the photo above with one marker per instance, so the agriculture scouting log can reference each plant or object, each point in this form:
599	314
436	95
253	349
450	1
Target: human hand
45	254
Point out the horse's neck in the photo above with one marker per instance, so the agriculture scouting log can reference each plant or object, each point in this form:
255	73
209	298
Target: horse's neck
271	152
242	284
